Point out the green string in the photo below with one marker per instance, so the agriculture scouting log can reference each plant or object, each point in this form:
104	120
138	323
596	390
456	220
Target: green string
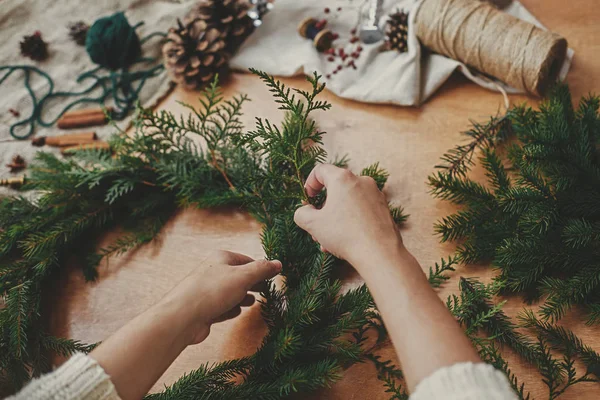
113	44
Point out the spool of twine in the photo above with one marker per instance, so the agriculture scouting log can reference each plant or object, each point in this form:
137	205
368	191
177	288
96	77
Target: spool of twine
493	42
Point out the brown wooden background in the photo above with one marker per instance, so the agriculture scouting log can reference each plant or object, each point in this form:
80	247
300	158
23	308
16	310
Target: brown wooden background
407	141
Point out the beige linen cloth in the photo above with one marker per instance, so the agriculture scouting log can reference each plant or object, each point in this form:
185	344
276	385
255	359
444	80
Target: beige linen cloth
67	60
381	77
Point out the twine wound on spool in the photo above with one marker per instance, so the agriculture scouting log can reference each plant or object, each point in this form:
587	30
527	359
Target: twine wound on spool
495	43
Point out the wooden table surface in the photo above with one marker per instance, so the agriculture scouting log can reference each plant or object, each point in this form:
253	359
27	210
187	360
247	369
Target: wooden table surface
407	141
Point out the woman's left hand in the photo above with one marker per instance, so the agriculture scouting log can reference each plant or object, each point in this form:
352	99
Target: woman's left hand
140	352
217	289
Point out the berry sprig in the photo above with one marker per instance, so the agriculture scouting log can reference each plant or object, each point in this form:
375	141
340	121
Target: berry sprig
341	55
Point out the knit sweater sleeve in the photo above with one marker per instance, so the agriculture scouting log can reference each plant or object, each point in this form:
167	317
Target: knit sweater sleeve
80	378
465	381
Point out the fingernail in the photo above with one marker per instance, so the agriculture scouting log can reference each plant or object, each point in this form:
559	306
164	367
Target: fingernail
277	264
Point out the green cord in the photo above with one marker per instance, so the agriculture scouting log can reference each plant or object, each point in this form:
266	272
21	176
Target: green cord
119	85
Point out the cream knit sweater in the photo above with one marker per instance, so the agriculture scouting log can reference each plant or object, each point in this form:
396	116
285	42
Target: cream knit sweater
81	378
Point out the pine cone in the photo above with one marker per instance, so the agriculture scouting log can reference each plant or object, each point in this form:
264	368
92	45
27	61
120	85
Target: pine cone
34	47
396	31
78	32
230	17
193	53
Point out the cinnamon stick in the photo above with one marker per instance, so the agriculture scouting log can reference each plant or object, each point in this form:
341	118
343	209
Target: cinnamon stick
98	145
82	121
70	139
85	111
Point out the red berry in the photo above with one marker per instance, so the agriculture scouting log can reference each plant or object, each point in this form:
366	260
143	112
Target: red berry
359	48
335	36
335	72
353	31
354	39
339	8
354	55
328	76
344	57
330	59
327	10
37	33
330	51
339	67
341	51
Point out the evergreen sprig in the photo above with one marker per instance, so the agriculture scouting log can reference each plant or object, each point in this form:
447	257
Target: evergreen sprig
550	348
537	217
150	174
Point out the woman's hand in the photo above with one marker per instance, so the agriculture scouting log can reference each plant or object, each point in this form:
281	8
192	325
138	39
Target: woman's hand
217	289
355	220
355	224
138	354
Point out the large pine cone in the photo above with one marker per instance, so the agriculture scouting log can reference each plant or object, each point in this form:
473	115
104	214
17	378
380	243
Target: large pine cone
194	53
228	16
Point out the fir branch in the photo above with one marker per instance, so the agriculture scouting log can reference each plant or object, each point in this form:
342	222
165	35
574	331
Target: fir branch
378	174
398	214
475	309
390	375
65	347
538	222
18	308
490	354
563	340
458	161
437	277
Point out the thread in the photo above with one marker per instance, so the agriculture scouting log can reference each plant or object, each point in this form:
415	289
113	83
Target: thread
112	42
493	42
314	30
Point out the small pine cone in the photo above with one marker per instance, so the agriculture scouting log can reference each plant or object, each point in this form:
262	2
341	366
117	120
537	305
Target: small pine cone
396	32
500	4
193	53
78	32
228	16
34	47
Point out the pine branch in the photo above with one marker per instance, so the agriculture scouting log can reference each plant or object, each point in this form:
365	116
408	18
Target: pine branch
536	218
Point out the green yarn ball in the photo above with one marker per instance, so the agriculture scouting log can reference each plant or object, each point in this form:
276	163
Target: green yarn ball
112	43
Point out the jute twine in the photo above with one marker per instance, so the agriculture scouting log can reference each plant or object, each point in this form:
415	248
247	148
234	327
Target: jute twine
495	43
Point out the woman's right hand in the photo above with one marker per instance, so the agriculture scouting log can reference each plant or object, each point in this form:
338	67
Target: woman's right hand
355	220
355	224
